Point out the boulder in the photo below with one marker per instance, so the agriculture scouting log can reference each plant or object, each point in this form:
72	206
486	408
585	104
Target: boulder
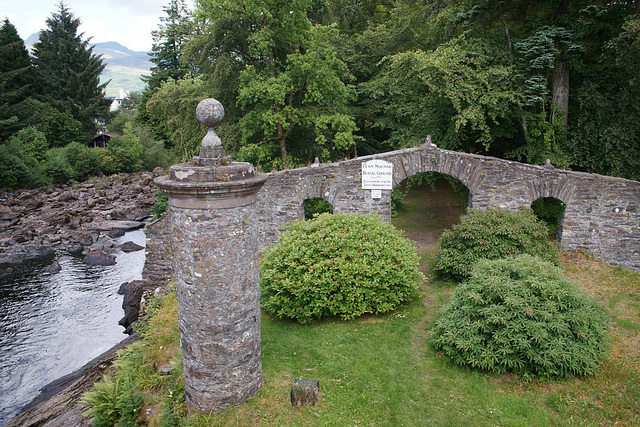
132	292
99	257
130	247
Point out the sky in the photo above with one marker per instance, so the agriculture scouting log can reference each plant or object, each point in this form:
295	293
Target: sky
128	22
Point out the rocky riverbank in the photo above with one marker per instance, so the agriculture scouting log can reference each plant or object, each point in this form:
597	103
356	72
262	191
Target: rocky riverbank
72	218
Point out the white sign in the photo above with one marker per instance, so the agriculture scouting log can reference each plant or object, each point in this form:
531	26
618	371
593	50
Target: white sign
376	194
377	175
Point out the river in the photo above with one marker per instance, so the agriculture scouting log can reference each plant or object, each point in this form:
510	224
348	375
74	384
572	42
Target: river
51	324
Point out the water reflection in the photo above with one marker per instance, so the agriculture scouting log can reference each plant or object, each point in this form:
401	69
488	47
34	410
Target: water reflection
53	323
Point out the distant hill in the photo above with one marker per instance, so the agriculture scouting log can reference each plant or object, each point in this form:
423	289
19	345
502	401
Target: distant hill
124	67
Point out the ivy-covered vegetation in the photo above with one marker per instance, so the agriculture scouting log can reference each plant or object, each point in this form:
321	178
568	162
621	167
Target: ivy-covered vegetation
492	234
519	315
338	265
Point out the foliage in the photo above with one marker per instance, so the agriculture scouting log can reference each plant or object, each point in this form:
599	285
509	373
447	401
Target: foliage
16	80
397	201
173	105
32	142
519	315
338	265
161	204
459	93
13	168
551	211
171	35
491	234
113	403
125	151
315	206
68	71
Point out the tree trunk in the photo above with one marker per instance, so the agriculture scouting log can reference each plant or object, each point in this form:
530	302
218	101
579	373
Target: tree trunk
560	87
282	141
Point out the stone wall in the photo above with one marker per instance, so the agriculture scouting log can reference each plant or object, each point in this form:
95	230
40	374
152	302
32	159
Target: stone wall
602	215
158	268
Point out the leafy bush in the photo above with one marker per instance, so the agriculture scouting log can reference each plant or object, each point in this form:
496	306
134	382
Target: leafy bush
32	142
338	265
57	167
491	234
83	160
520	315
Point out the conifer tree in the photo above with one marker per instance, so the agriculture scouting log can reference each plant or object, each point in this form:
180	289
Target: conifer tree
68	71
16	80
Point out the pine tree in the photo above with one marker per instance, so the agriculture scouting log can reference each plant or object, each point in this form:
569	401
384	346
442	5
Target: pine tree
169	39
16	80
69	71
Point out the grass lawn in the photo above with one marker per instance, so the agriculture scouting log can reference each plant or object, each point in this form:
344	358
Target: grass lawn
382	371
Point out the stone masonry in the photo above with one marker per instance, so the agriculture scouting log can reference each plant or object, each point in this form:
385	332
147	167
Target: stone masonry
602	215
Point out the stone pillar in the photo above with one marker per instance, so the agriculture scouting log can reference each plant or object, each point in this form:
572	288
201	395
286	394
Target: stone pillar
214	240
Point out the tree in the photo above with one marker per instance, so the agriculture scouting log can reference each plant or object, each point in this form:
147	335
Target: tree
68	71
16	80
293	89
169	39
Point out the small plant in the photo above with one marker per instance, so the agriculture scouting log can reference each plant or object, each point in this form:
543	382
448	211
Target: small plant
338	265
160	206
491	234
520	315
113	403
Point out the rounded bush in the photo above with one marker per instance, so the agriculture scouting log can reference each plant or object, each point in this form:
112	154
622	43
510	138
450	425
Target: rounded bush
519	315
338	265
492	234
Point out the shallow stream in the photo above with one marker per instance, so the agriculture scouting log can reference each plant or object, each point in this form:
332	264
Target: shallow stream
52	324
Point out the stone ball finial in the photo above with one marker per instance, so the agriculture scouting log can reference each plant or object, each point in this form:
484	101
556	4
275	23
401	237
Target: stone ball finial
210	113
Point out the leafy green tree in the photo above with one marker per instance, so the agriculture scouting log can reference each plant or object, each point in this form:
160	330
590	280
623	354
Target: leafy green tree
14	171
68	71
172	106
16	80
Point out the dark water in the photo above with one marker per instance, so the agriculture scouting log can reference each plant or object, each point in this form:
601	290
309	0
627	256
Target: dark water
53	323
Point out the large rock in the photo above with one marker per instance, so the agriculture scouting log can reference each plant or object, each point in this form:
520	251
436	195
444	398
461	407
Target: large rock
130	247
99	257
132	292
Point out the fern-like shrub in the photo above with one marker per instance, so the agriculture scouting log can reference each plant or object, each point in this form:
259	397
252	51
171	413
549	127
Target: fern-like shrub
492	234
113	402
338	265
520	315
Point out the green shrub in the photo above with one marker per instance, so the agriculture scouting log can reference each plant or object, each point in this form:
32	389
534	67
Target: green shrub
520	315
83	160
32	142
338	265
491	234
57	167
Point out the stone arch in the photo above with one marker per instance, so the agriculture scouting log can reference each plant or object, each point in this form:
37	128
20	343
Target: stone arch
312	206
432	199
551	210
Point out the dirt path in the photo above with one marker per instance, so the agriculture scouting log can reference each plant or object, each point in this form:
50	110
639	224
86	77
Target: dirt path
428	212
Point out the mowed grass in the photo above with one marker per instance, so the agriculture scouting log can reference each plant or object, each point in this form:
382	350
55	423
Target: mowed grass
382	371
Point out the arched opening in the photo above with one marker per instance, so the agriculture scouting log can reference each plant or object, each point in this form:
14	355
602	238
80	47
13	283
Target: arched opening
426	204
315	206
551	211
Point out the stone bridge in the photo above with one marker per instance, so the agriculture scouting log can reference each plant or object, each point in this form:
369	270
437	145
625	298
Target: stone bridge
602	213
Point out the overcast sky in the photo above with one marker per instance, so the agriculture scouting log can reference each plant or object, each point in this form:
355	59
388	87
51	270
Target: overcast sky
128	22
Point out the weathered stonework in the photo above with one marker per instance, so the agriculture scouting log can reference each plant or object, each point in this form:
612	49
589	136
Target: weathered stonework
602	215
215	260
